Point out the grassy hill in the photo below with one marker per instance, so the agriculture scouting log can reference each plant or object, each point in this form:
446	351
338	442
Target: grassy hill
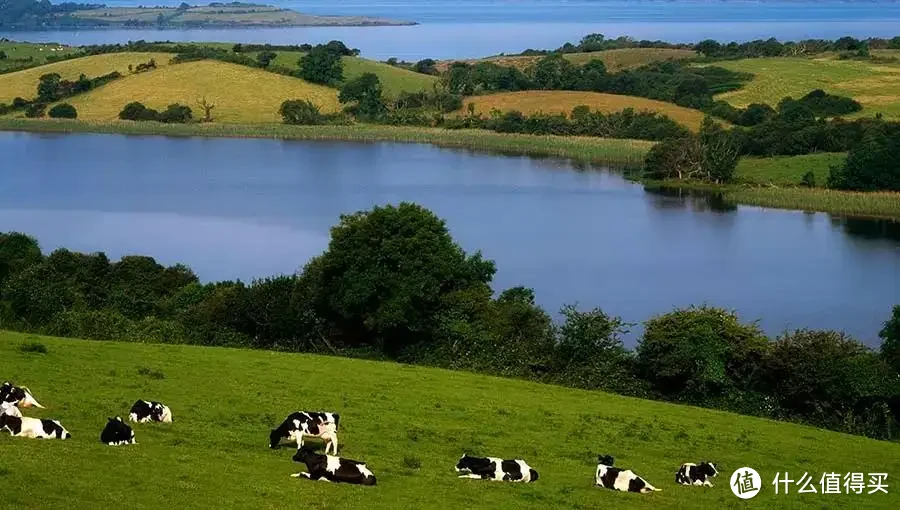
615	60
393	79
410	424
24	83
240	93
876	86
563	101
16	52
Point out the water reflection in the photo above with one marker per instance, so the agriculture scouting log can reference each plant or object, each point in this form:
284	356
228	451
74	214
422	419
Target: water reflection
667	197
868	228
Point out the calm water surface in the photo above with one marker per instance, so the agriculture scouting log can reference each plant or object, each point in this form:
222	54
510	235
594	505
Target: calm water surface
474	28
250	208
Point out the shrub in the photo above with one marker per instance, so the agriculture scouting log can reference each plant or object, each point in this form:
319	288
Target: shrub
808	180
19	102
137	111
700	354
300	112
63	111
176	114
33	348
35	110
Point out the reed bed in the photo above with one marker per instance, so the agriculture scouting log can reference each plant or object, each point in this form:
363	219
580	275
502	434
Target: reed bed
882	204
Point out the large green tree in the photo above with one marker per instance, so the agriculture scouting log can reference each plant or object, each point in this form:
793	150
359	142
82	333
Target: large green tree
322	65
871	165
385	275
366	92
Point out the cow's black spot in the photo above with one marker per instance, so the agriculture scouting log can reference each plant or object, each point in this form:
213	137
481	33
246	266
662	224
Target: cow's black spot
636	484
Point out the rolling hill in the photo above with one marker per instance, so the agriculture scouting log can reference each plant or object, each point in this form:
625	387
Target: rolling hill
563	101
875	85
615	60
241	94
24	83
393	79
410	424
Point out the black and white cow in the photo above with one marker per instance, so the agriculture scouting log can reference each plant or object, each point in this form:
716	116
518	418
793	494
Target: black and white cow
17	395
493	468
33	428
144	411
619	479
117	433
301	423
332	469
696	474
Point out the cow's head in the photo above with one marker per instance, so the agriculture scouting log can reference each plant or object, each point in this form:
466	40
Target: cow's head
24	398
709	468
606	460
166	415
275	437
465	463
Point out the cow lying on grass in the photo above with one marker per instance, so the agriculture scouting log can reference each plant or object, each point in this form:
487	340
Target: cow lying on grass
696	474
618	479
492	468
117	433
33	428
17	395
302	423
144	411
333	469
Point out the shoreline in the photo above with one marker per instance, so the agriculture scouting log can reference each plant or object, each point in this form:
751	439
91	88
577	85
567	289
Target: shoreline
585	150
387	23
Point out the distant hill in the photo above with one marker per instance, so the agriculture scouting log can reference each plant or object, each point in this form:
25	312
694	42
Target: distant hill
30	14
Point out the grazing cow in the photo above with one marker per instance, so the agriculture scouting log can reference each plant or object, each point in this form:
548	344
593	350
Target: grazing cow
325	431
33	427
333	469
10	409
16	395
492	468
144	411
696	474
618	479
292	427
117	433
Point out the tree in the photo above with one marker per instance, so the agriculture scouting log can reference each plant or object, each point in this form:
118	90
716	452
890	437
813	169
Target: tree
890	340
207	108
264	58
701	354
593	76
871	164
3	55
300	112
63	111
17	252
48	87
385	276
365	91
554	72
720	152
35	110
176	114
425	66
321	65
674	158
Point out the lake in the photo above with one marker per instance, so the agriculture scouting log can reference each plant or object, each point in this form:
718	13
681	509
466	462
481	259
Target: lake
252	208
476	28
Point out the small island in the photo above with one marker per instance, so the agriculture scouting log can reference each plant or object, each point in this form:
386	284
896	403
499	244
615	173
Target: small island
31	14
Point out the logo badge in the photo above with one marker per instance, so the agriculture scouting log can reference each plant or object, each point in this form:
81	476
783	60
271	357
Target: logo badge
745	483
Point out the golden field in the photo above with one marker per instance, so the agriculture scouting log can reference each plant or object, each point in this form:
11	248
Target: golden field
615	60
563	101
241	94
24	83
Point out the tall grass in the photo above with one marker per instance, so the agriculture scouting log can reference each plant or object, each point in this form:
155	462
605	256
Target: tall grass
883	204
584	149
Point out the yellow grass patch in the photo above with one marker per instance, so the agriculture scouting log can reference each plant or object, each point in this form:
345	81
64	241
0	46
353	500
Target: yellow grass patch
563	101
24	83
241	94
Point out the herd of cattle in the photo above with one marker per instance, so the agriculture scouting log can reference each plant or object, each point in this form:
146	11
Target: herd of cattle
324	425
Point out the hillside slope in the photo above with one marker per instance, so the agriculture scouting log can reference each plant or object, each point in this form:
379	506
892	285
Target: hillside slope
240	93
410	424
876	86
563	101
24	83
